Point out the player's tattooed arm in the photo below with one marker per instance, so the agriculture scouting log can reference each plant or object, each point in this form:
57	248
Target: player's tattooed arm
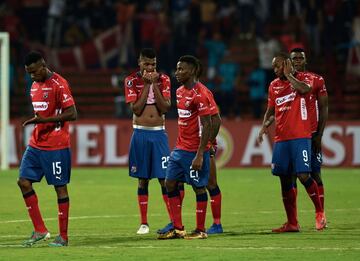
300	86
69	114
269	118
205	135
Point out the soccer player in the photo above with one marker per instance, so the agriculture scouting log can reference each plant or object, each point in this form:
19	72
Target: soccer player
212	187
148	93
318	113
189	161
287	102
48	152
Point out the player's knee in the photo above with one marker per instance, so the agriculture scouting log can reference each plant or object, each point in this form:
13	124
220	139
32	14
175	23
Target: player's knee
61	191
212	185
316	177
303	177
162	182
170	185
143	183
24	184
199	190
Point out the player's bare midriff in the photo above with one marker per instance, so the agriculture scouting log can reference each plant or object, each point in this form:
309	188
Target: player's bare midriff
150	117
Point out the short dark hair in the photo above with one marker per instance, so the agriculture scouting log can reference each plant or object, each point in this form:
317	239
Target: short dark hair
282	55
148	53
190	59
297	50
33	57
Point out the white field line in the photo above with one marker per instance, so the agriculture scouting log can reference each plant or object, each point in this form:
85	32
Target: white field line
136	246
159	215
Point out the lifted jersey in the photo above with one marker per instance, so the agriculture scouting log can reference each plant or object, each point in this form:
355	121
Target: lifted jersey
134	86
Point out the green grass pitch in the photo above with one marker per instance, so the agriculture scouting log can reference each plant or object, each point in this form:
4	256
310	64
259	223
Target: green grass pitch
104	219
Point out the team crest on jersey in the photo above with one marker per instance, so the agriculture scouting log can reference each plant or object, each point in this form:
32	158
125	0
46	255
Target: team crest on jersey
45	95
187	103
129	83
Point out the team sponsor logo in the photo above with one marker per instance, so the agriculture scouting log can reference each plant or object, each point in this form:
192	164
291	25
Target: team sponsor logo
188	98
40	106
184	113
129	83
46	89
286	98
133	169
304	114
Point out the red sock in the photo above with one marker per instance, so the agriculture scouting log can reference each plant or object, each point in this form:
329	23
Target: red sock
201	205
321	195
175	207
143	205
289	200
166	200
63	216
31	202
313	192
215	201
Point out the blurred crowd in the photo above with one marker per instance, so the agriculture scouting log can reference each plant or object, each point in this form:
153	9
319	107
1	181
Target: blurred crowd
209	29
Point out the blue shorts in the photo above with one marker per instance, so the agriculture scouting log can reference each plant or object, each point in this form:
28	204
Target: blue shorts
291	156
179	168
149	154
54	164
316	161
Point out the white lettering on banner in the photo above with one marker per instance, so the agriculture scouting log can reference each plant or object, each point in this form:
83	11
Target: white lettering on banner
84	144
111	146
333	145
355	131
340	143
253	149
